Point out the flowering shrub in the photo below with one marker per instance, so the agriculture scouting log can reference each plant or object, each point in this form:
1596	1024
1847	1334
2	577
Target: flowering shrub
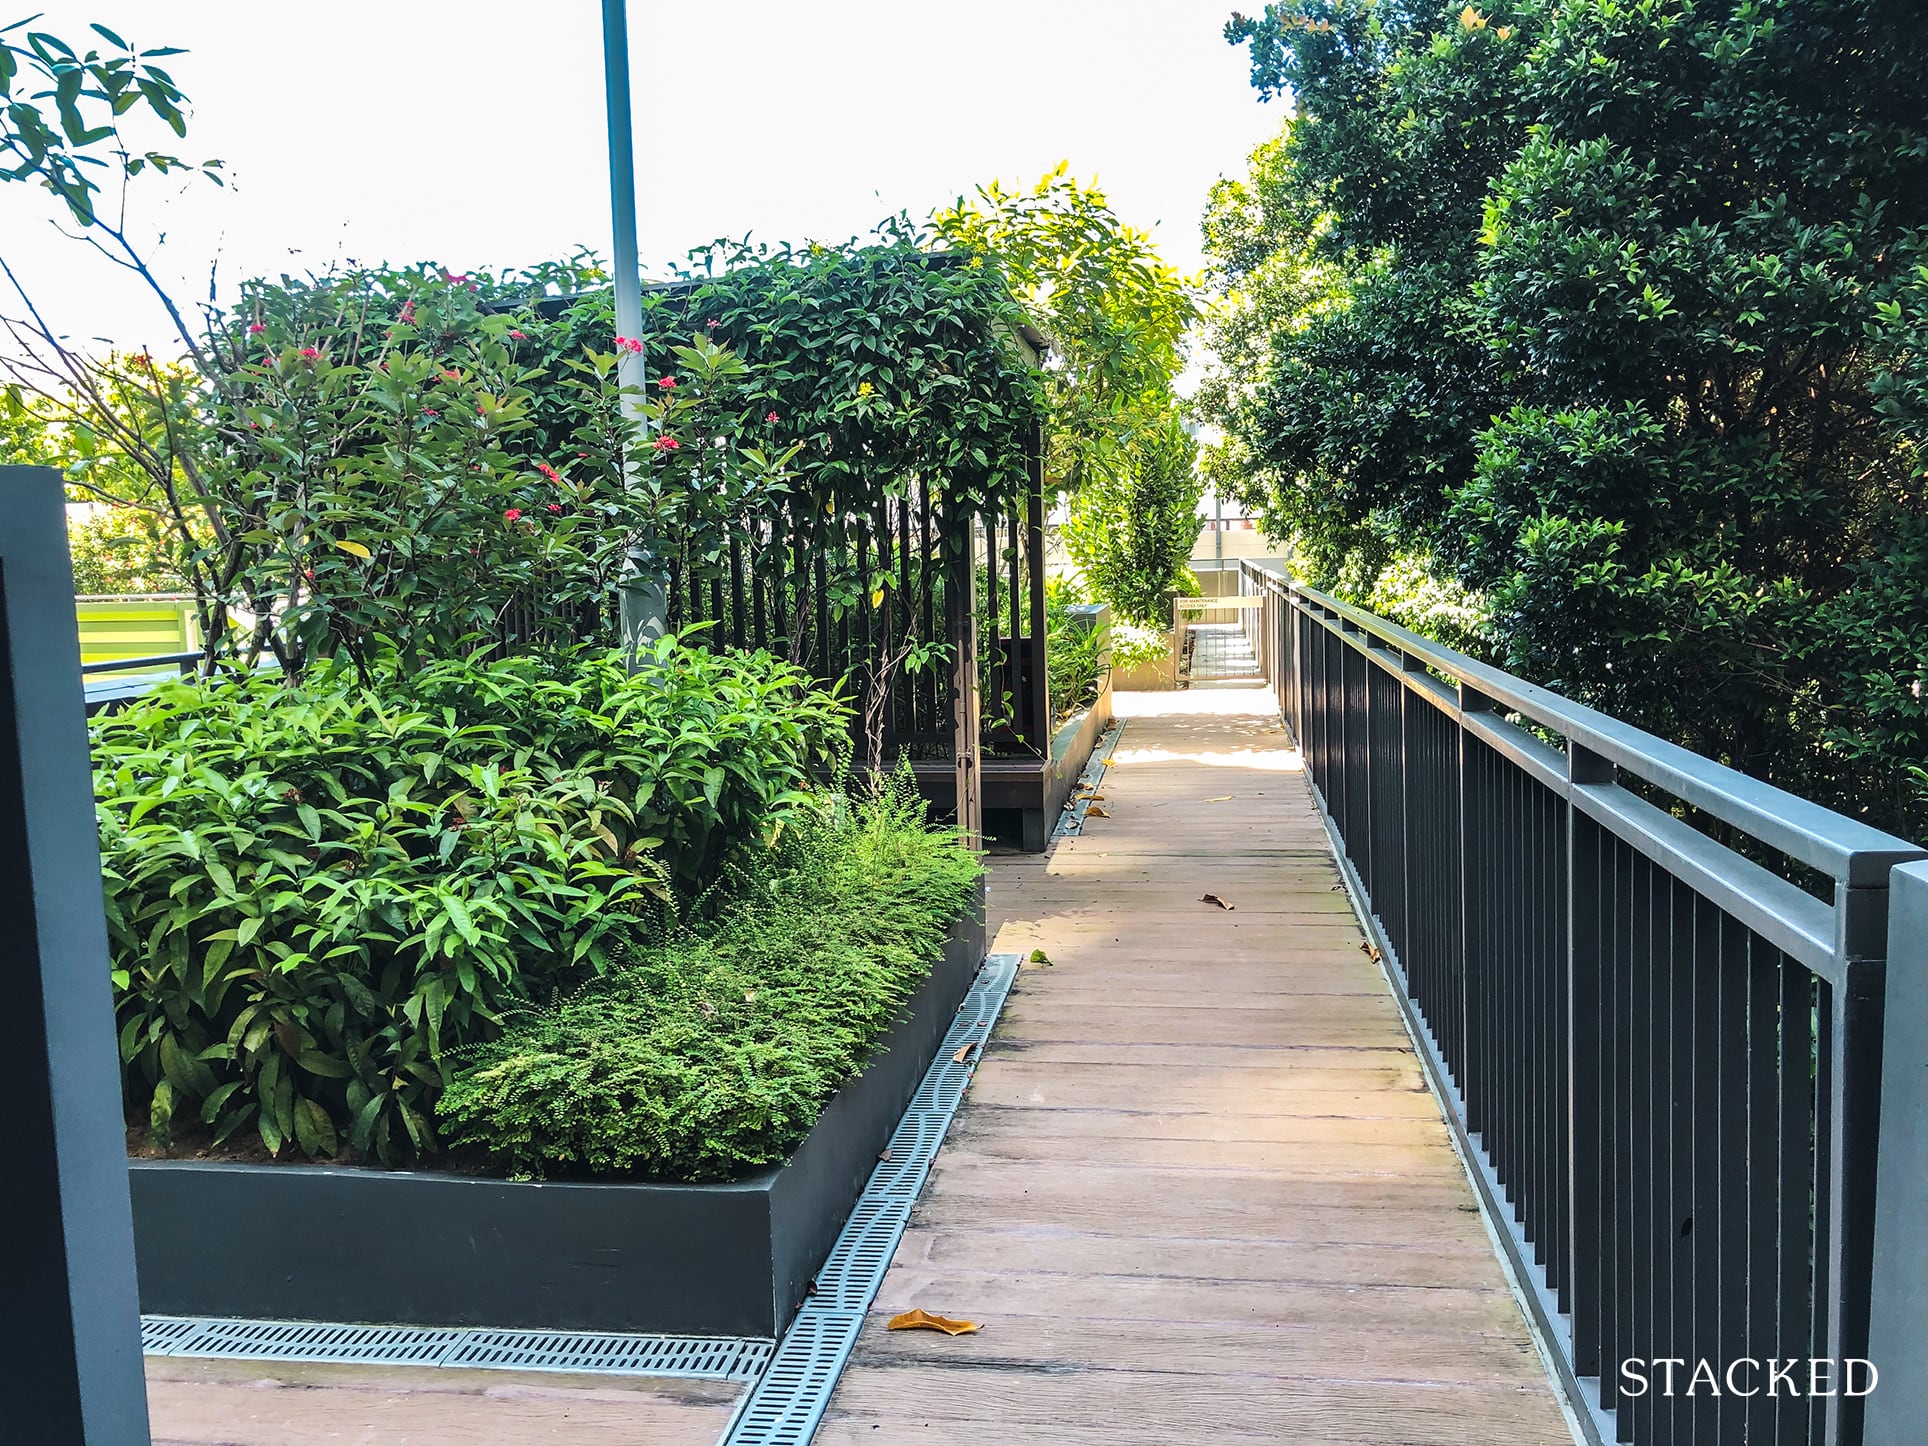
314	892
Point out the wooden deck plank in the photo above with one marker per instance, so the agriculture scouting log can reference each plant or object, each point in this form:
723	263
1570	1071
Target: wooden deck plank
261	1403
1198	1189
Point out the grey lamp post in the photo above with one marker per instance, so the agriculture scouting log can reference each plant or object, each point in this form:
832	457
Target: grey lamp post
644	606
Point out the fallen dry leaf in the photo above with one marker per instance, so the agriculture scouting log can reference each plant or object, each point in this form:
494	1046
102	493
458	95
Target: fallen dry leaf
1095	811
923	1320
964	1053
1215	899
1223	798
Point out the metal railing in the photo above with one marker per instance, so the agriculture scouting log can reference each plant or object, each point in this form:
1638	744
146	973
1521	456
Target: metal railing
183	663
1662	1059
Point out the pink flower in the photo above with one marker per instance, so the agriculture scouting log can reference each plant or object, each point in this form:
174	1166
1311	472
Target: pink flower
666	444
712	323
256	329
668	384
455	278
514	514
309	353
772	417
430	412
628	343
408	311
550	472
582	454
517	336
451	376
555	507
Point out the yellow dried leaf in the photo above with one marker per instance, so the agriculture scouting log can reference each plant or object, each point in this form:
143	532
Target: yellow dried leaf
1214	899
923	1320
354	549
877	598
1096	811
1222	798
963	1054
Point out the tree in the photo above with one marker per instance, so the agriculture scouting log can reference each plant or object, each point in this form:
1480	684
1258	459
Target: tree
1132	528
1625	342
1116	317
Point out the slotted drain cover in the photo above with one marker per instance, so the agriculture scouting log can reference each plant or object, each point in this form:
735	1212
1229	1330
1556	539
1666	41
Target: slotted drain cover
1072	821
786	1405
788	1402
271	1340
711	1357
714	1356
161	1333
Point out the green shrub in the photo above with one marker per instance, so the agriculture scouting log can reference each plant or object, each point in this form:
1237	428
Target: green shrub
313	892
1071	650
713	1051
1136	647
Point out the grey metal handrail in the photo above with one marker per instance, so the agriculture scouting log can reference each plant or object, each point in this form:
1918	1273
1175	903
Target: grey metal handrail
1663	1060
184	661
1841	847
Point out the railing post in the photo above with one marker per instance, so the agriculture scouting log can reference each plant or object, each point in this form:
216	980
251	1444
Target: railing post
1898	1315
1473	1085
1585	1019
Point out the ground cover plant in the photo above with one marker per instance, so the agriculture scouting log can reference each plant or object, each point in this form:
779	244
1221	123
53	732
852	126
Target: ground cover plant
315	892
712	1049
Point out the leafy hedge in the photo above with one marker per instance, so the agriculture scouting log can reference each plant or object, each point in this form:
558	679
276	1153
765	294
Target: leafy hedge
712	1052
314	891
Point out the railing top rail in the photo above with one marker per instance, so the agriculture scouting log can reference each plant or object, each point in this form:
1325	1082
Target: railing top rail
1843	848
135	665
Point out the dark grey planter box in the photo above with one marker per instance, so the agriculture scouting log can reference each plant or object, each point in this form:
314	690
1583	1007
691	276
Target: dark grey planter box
338	1243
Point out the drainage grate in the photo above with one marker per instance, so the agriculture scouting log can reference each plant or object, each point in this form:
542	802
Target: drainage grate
279	1340
786	1405
714	1357
161	1333
1071	822
788	1402
727	1357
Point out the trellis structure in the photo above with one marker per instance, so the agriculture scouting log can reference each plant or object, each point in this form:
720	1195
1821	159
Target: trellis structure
930	613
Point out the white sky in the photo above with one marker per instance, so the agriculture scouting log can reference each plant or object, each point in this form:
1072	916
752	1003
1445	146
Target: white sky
472	133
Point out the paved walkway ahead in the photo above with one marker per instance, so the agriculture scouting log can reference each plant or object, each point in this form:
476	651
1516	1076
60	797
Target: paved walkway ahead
1198	1190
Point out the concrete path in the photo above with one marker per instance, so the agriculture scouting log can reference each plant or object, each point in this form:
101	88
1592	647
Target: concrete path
1199	1190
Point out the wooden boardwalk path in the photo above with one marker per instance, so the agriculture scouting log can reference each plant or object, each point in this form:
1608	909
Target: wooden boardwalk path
1199	1190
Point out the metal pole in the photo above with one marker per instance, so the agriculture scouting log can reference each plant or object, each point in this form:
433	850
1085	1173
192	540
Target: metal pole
644	606
1900	1304
74	1374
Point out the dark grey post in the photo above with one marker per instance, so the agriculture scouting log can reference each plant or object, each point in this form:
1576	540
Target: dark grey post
70	1359
1898	1323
